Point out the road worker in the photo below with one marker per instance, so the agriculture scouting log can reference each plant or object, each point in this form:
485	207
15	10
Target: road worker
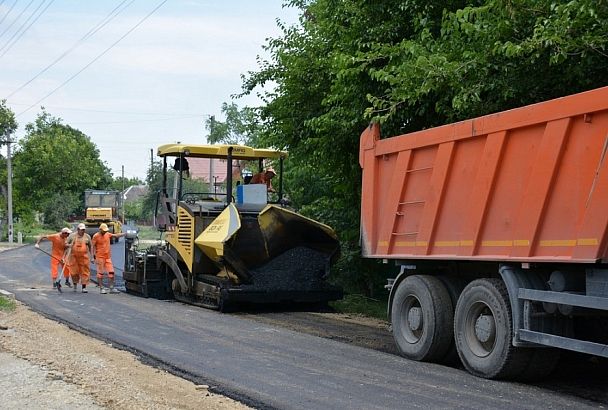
58	241
77	255
102	255
264	178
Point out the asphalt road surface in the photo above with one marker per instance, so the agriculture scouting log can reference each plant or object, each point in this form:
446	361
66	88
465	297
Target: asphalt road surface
259	364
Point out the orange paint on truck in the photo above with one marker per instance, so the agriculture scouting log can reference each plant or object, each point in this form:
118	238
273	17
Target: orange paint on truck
527	185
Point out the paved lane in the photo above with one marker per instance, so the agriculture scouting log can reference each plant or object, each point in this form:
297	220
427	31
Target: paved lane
262	365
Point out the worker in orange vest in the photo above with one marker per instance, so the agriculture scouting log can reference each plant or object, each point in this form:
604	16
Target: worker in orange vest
77	254
102	254
58	241
264	178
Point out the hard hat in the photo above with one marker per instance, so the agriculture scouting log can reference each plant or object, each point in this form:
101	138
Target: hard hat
66	230
81	226
104	227
271	169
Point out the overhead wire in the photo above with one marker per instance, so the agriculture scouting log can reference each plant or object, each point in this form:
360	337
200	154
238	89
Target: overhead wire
8	12
95	59
136	121
114	112
16	19
85	37
21	31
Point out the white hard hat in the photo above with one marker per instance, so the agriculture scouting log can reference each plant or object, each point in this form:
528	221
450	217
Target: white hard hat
82	226
66	230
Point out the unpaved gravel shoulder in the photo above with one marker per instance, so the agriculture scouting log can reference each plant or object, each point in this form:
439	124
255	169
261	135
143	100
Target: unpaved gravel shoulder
44	364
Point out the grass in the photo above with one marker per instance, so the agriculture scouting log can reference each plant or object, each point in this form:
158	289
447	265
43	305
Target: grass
148	232
354	303
7	304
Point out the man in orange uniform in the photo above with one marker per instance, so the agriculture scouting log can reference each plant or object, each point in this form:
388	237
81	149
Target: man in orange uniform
264	178
77	254
57	250
102	254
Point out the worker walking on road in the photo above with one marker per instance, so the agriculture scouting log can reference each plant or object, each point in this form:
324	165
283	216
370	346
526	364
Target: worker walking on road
77	254
102	254
58	241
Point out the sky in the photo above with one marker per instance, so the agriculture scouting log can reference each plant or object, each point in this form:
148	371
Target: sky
173	68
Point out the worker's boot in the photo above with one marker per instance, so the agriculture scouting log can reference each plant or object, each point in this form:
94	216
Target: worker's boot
112	288
67	283
84	289
58	286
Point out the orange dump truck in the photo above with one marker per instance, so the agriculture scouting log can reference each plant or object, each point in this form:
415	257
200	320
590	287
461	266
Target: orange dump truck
500	226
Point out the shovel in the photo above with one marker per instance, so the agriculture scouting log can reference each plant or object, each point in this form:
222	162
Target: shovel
57	283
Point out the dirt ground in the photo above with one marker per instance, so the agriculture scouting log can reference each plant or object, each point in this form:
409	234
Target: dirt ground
44	364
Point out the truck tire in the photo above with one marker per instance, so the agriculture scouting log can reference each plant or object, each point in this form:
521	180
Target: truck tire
483	331
454	286
422	316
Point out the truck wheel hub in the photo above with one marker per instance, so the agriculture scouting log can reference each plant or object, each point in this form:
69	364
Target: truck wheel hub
414	318
485	329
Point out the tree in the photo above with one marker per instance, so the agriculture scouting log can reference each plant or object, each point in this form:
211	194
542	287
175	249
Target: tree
118	183
54	164
154	182
411	65
8	125
240	127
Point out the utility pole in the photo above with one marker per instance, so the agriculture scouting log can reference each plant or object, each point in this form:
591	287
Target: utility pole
9	187
151	167
123	194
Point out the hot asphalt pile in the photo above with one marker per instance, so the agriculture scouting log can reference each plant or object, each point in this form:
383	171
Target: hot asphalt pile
299	268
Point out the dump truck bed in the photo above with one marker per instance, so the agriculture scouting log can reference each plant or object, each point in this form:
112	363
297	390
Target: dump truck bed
529	184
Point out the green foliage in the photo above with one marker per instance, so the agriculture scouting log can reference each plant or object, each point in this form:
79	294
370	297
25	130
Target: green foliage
357	303
154	180
411	65
7	304
120	183
8	124
53	165
240	127
57	206
134	210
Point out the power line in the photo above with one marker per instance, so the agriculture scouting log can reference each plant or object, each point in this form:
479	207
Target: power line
21	31
95	59
87	35
16	19
114	112
8	12
136	121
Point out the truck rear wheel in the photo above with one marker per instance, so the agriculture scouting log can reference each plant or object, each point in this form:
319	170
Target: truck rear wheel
483	331
422	316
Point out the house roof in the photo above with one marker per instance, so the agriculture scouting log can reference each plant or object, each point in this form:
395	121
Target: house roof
134	192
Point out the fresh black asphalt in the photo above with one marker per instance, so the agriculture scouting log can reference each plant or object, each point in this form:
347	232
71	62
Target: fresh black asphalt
261	365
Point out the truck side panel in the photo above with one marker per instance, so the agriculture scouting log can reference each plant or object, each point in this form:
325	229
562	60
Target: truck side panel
529	184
